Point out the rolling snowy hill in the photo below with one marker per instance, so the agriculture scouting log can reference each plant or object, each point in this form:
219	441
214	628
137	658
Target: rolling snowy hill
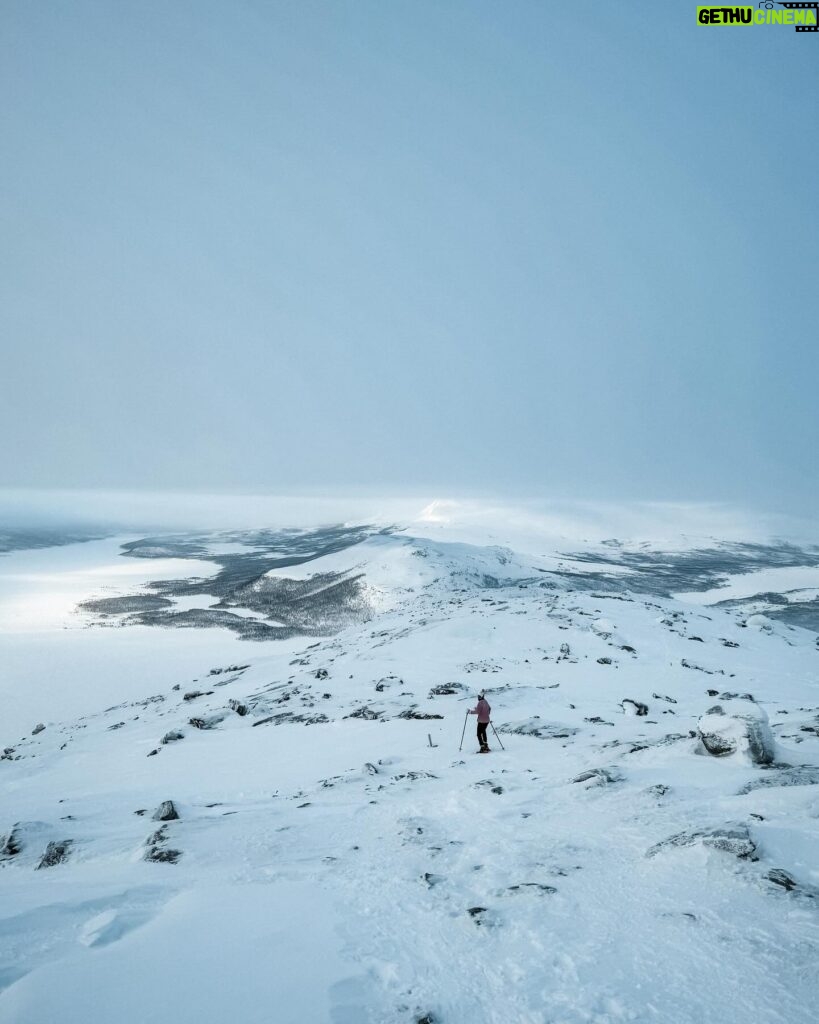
330	854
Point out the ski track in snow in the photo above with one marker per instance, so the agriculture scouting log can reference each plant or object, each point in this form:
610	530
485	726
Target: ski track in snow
343	870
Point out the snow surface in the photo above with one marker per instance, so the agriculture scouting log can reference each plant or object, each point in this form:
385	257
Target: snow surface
341	869
798	583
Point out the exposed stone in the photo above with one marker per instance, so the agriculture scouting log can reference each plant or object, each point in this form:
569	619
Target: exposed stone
162	855
411	713
55	853
698	668
412	776
37	728
173	736
237	706
445	689
634	707
780	877
548	890
11	845
369	714
157	850
166	812
290	717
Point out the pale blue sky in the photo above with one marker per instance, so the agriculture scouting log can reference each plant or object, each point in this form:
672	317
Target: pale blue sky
539	248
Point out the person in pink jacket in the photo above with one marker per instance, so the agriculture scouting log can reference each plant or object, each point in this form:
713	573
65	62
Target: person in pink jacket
482	710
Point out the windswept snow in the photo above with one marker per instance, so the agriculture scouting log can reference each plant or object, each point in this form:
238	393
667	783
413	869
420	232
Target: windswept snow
335	857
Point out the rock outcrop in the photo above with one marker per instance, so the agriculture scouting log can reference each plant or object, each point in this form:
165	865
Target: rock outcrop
55	853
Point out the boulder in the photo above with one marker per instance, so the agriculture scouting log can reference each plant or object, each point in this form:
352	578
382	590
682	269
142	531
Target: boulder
166	812
37	728
742	730
633	707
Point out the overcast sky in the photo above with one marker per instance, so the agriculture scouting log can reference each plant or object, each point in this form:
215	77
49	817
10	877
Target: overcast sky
527	248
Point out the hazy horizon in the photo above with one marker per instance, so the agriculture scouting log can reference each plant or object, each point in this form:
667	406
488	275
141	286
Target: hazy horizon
482	518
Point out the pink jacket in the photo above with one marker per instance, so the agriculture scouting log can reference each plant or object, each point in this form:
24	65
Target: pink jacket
482	710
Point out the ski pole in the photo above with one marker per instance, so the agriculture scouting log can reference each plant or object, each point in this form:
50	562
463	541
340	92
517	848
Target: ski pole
464	732
495	731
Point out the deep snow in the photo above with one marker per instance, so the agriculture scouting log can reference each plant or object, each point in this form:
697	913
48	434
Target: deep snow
333	866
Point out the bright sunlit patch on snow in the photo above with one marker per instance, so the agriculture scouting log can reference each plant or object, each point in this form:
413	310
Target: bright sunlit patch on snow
765	581
40	589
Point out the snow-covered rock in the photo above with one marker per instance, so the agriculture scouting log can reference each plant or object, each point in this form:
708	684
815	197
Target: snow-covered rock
741	728
735	839
537	727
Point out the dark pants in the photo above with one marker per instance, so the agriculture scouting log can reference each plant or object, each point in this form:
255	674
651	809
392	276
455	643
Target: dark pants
482	734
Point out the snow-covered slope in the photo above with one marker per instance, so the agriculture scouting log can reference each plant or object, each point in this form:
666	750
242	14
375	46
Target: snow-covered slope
336	857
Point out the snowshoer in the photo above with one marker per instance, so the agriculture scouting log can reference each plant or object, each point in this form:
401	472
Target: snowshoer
482	710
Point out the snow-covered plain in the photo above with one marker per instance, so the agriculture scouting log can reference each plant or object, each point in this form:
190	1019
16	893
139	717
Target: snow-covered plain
337	858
